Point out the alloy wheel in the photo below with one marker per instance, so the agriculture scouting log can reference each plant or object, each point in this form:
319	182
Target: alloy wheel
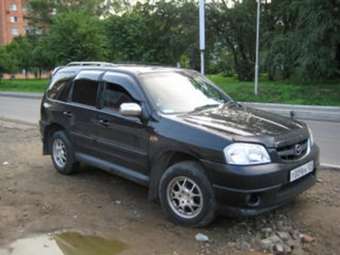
185	197
59	153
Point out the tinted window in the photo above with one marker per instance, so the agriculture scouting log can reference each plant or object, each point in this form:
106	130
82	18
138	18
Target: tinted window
115	95
85	92
60	90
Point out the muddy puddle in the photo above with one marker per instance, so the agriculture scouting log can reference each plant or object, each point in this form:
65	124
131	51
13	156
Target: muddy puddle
66	243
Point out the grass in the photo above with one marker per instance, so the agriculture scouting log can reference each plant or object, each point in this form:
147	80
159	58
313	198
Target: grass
23	85
322	93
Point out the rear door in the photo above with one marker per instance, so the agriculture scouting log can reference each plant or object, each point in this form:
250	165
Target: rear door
57	99
121	140
83	110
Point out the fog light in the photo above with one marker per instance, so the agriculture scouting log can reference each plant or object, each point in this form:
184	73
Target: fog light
253	200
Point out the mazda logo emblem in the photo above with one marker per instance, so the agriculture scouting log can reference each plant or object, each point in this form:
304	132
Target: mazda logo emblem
298	149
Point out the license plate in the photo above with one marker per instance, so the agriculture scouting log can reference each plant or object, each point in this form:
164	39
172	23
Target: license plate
301	171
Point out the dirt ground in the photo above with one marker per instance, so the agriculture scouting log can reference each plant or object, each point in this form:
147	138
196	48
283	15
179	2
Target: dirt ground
35	199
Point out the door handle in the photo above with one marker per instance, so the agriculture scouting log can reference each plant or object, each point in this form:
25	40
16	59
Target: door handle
68	114
104	123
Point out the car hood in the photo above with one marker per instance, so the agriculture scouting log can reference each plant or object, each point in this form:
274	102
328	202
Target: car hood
243	121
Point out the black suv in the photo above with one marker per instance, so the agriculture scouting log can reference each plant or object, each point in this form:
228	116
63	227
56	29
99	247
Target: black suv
199	152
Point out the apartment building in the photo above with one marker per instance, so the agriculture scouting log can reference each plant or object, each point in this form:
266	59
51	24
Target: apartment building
12	22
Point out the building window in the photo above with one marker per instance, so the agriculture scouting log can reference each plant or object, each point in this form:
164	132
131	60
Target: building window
13	7
14	32
14	19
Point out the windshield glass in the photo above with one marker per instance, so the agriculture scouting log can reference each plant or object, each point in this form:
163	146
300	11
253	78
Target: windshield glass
176	92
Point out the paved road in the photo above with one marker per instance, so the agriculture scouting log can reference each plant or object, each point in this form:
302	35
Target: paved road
22	109
327	134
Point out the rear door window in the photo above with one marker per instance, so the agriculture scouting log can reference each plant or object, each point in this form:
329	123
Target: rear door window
60	90
85	92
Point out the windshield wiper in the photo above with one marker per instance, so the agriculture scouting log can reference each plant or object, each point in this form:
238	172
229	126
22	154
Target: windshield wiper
204	107
230	103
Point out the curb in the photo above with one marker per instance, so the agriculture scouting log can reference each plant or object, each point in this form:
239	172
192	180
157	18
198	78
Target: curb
12	123
22	95
21	122
303	112
330	166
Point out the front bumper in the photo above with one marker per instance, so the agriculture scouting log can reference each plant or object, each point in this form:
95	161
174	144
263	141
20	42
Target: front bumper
251	190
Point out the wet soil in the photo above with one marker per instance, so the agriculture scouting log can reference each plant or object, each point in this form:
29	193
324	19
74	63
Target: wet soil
36	200
64	243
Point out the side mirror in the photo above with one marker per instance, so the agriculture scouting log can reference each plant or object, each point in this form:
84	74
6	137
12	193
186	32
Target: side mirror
130	109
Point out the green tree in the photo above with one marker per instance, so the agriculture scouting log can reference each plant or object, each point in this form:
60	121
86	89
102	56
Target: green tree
20	51
75	36
234	28
3	61
41	12
160	32
42	58
318	37
279	46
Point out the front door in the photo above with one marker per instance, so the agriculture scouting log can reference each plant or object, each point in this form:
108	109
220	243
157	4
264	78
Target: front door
121	140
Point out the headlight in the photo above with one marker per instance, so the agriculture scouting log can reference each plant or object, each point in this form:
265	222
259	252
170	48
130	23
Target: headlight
246	154
311	138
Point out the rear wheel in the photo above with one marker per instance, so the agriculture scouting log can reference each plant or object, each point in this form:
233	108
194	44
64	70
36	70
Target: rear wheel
186	195
62	154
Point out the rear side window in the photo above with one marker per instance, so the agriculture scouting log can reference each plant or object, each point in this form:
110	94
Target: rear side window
115	95
85	92
60	90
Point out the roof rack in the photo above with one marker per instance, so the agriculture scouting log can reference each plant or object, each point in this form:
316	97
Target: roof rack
90	63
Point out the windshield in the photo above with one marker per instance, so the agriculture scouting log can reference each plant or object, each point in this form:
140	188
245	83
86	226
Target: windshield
176	92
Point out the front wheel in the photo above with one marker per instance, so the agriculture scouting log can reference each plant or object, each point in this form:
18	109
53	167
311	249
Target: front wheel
62	154
186	195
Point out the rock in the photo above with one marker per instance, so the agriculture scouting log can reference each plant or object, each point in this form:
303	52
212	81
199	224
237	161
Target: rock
295	234
319	180
298	251
5	163
292	244
284	236
255	253
306	238
201	237
274	239
267	230
118	202
266	244
279	249
11	190
288	249
245	246
231	244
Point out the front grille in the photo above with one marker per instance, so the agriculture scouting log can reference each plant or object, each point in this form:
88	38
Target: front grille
293	151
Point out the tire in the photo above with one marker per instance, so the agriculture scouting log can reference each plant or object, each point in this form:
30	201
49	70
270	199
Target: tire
182	206
70	165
